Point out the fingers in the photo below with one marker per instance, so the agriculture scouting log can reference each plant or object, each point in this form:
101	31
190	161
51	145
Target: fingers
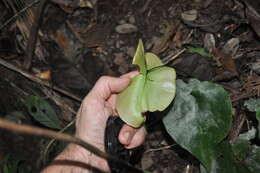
130	74
106	85
132	137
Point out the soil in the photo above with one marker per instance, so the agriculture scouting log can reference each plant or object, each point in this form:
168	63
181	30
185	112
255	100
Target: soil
77	45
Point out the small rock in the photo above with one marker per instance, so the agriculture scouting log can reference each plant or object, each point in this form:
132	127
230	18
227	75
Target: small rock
131	19
126	28
121	22
190	15
130	51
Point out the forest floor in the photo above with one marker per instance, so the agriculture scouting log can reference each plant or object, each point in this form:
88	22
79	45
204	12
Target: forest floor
78	44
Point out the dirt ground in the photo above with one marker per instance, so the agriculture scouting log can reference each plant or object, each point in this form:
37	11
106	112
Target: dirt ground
78	44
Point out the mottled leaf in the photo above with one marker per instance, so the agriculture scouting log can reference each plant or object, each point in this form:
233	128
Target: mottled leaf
200	118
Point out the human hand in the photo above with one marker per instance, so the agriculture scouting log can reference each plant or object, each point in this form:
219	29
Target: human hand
97	106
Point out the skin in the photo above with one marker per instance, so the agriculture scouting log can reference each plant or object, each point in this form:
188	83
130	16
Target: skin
94	111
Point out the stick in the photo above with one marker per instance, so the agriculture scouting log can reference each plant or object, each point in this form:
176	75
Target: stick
38	80
18	14
31	44
26	129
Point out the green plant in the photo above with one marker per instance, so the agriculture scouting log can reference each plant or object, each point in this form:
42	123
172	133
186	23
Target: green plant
154	82
200	117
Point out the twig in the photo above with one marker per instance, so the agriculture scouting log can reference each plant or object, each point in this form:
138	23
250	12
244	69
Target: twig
31	44
38	80
46	150
144	8
159	149
194	25
26	129
243	96
169	59
19	13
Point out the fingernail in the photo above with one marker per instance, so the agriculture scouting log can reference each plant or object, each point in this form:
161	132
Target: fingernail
127	137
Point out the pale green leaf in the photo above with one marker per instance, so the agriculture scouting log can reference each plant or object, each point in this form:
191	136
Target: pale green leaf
159	89
42	112
129	102
153	89
139	58
152	61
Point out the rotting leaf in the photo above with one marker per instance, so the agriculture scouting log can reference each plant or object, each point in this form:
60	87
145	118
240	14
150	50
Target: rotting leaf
152	90
200	118
42	112
225	60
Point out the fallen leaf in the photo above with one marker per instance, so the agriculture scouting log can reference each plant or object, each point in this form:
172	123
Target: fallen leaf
44	75
225	60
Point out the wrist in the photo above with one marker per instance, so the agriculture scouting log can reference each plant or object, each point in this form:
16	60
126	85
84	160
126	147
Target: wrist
77	153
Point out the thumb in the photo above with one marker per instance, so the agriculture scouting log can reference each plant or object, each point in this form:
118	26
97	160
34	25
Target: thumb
132	137
106	86
126	134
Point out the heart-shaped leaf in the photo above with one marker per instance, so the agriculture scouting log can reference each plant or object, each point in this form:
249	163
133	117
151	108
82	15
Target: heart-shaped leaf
200	118
153	89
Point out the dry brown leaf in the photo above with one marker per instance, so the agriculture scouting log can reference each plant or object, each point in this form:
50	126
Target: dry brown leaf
226	61
46	75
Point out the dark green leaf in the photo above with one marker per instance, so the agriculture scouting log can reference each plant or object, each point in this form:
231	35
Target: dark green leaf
258	119
241	146
247	153
42	112
225	162
253	159
200	118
